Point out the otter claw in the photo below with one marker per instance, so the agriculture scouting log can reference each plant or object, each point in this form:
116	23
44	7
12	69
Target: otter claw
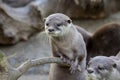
72	71
73	67
79	68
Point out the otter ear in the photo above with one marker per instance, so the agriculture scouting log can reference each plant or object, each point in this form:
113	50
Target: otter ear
69	21
114	65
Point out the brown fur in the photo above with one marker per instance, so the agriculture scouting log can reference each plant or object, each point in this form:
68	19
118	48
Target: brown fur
86	35
105	41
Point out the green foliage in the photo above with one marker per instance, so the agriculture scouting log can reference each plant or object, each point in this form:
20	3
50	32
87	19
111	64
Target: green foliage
1	56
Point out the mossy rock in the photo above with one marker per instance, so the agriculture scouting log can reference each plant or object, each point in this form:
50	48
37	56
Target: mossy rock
3	67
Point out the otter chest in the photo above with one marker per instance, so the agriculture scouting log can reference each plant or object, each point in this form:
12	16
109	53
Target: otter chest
66	50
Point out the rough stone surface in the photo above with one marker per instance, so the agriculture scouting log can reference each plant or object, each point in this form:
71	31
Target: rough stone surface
93	9
3	67
17	25
22	18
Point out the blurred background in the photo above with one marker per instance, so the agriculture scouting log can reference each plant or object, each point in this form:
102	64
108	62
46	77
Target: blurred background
22	34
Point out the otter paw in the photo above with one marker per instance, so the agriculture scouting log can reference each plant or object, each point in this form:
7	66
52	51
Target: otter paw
73	67
65	60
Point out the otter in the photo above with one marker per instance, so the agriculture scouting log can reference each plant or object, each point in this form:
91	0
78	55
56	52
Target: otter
104	68
68	44
104	41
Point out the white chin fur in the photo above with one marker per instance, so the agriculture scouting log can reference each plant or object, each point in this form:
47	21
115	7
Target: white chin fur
115	75
92	76
56	33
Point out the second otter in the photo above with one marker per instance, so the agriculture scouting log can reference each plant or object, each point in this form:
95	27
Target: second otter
104	68
68	44
105	41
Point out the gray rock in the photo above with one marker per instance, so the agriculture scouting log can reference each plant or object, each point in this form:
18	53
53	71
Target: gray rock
19	23
36	47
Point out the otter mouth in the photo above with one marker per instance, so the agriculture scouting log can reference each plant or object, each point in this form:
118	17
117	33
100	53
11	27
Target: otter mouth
54	33
51	33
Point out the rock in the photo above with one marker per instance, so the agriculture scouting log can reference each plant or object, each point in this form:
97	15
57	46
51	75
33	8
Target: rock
18	23
36	47
3	67
93	9
17	3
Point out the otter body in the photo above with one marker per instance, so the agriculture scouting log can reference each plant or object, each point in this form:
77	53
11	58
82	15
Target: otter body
68	44
105	41
104	68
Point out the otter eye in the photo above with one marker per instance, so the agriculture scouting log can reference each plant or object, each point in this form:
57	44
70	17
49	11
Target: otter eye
69	21
58	24
100	68
114	65
47	24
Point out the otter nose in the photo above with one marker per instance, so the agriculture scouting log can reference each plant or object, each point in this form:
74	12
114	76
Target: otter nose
90	71
51	30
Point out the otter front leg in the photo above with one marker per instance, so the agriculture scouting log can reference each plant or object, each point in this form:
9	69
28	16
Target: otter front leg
65	59
74	65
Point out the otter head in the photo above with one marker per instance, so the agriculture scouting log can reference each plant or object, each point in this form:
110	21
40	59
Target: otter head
101	68
57	24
